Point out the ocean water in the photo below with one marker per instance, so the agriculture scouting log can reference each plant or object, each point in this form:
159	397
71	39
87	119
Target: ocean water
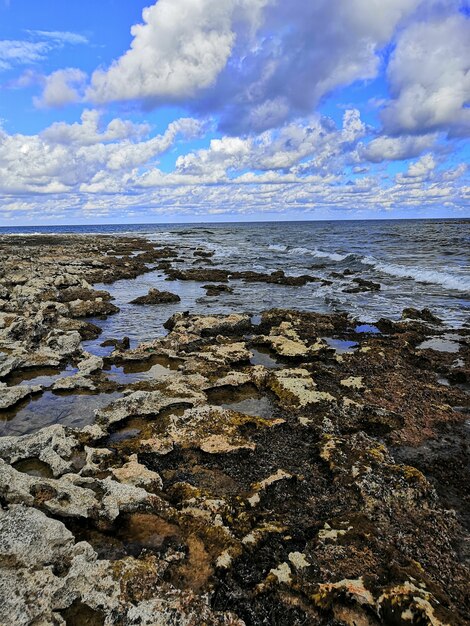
418	263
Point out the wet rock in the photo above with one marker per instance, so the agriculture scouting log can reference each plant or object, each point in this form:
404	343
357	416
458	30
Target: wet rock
205	254
155	296
9	396
118	344
424	314
72	383
92	308
90	364
52	445
216	290
147	403
209	428
133	473
199	274
296	389
362	285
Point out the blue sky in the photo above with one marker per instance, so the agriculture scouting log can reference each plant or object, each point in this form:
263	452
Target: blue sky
200	110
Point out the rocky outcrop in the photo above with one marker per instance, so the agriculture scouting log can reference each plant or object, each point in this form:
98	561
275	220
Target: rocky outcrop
227	492
155	296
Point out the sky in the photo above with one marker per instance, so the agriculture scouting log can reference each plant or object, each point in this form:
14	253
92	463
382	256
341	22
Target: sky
233	110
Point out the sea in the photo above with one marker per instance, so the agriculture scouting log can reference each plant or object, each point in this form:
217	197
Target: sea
418	263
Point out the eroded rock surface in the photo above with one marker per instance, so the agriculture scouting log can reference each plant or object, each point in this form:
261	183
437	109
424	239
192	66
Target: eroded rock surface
221	491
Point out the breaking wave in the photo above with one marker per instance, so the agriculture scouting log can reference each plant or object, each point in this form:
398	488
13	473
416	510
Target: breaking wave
321	254
420	275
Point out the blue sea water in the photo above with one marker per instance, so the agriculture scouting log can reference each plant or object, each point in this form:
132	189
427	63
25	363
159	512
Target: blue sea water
418	263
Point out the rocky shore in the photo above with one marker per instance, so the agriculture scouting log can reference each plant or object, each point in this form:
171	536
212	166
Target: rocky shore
289	469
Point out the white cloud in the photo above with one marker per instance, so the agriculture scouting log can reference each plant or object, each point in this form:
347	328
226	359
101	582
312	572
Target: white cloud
421	168
59	36
303	147
59	161
256	62
429	77
385	148
181	48
17	52
62	87
88	131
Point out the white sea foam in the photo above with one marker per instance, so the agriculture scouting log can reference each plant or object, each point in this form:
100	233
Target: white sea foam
420	274
321	254
277	247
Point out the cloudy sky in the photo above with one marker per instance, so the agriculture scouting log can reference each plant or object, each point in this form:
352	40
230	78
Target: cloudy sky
204	110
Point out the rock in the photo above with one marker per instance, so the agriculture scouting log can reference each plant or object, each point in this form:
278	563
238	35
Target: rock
90	364
209	428
52	445
63	343
363	285
9	396
146	403
208	325
73	294
92	308
216	290
133	473
120	345
155	296
70	383
296	389
32	539
8	364
425	314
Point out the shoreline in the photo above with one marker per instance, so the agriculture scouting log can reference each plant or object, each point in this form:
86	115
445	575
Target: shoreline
245	469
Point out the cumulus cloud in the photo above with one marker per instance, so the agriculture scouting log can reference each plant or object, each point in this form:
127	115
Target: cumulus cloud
180	49
302	148
385	148
256	62
59	161
62	87
88	131
429	76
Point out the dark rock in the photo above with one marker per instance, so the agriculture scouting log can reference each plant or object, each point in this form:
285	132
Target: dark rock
216	290
203	254
199	274
155	296
121	345
362	285
425	314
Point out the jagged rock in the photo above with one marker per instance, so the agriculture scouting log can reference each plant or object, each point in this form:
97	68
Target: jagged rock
8	364
52	445
133	473
155	296
363	285
90	364
147	403
216	290
295	388
91	308
211	429
9	396
70	383
425	314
